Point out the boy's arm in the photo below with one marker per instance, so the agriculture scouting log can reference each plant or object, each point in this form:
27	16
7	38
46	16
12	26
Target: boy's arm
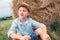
15	36
12	31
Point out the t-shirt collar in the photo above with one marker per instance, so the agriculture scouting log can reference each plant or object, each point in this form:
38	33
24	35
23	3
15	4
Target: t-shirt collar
25	22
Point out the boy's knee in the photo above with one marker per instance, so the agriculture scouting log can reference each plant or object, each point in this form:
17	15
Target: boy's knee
37	32
27	37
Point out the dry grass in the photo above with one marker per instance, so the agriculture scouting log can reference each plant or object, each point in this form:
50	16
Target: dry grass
45	11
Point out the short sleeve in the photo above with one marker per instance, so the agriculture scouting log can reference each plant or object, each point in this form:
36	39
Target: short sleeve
12	29
36	24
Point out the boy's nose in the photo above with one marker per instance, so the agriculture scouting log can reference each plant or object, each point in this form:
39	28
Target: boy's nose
21	12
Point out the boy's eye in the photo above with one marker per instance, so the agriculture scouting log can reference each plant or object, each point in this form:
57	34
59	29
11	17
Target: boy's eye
24	10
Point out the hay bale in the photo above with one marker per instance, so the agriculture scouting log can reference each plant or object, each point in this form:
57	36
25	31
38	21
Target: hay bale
45	11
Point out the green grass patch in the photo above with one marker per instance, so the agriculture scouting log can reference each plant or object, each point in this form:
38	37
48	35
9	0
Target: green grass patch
4	26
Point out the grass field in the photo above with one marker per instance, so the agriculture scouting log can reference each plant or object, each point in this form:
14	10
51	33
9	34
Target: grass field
5	25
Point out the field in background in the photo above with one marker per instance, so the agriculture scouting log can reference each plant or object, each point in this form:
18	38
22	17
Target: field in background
4	26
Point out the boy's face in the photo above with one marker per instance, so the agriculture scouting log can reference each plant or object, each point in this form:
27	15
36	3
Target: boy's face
23	12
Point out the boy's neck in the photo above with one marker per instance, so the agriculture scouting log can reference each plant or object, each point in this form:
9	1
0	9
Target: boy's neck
23	20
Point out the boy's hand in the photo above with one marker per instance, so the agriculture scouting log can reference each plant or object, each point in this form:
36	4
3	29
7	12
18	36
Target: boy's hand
22	38
27	37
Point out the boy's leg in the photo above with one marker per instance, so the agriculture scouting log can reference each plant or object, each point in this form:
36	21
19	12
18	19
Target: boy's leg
13	39
39	33
44	36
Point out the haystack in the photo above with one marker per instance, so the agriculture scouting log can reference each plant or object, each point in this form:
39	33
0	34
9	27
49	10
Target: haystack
45	11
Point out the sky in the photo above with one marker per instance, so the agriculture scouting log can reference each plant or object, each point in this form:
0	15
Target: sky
5	8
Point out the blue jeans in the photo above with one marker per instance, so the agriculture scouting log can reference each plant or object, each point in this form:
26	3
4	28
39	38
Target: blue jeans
33	36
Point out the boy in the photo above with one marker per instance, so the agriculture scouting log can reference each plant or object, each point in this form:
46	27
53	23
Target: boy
23	25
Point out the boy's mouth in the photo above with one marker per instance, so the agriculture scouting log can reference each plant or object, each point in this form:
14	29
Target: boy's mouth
21	14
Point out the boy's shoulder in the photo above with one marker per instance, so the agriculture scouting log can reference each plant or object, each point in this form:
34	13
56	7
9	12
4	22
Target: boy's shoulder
30	19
